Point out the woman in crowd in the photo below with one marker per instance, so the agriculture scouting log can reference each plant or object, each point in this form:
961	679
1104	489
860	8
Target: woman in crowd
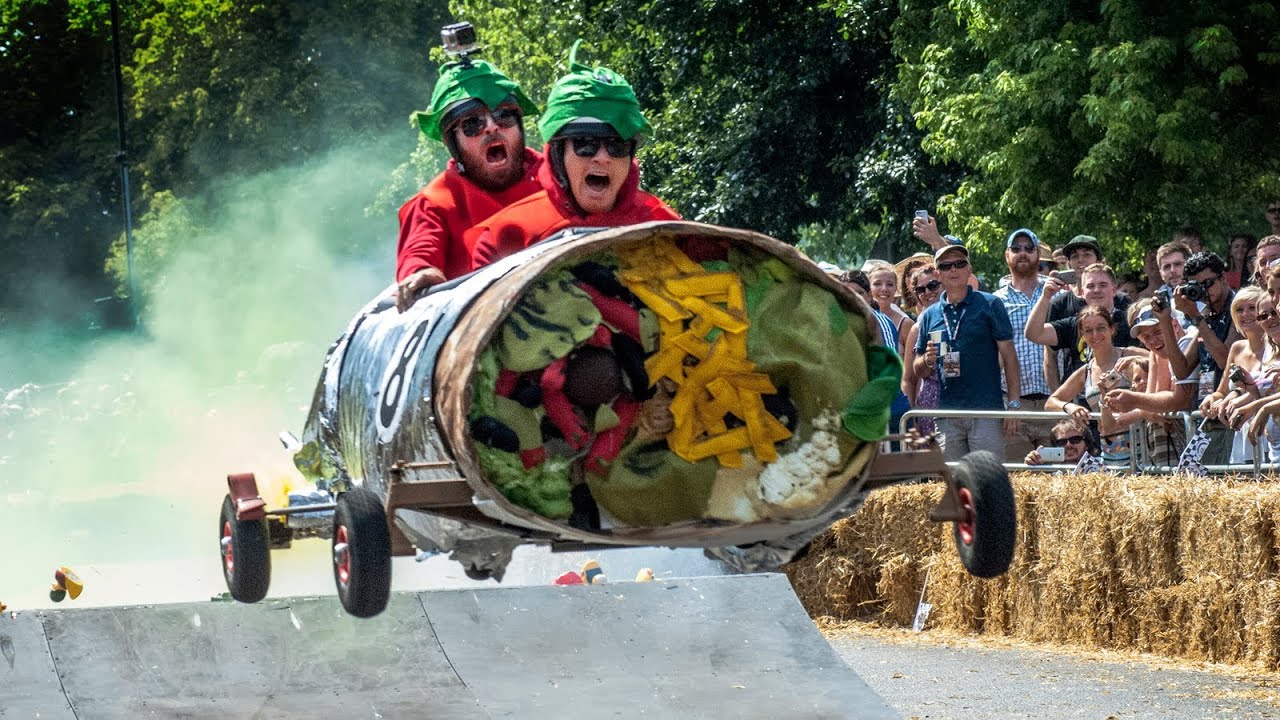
884	290
1093	380
1239	248
905	269
922	392
1248	354
1257	415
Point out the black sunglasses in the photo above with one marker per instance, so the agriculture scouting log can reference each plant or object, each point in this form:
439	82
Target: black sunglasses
474	125
930	286
1274	209
953	265
587	147
1264	316
1072	440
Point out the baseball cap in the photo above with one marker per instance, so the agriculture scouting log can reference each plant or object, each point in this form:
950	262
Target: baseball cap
1083	241
1035	241
1146	318
937	256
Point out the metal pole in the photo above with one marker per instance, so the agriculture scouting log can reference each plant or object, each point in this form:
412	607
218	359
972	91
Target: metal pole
122	159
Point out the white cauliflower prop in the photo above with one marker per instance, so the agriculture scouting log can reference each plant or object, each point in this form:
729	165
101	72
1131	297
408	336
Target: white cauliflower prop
798	480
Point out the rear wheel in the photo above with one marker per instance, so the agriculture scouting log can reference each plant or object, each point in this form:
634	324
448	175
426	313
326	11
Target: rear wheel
361	553
987	531
246	554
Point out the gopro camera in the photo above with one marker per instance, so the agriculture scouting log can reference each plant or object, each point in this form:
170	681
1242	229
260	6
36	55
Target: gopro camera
459	40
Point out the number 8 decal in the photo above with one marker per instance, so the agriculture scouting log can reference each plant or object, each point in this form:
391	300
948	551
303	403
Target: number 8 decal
395	384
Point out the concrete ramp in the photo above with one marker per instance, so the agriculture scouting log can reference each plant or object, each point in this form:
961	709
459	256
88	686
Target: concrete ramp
714	647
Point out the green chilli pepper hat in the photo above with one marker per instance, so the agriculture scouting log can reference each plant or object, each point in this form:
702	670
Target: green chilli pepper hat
461	82
597	93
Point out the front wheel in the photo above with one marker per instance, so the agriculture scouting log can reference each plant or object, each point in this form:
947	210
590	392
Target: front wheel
987	531
361	552
246	554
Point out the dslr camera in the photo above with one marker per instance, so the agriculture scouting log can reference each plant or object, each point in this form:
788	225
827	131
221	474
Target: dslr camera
1194	291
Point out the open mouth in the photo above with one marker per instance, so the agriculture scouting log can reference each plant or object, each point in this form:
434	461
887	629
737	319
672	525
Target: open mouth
597	182
496	154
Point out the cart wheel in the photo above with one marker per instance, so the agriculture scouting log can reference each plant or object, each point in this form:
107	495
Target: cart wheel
246	554
986	534
361	552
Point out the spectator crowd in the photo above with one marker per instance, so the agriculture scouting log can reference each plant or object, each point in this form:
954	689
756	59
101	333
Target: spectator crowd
1118	356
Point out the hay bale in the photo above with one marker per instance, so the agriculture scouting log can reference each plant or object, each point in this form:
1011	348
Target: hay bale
1178	566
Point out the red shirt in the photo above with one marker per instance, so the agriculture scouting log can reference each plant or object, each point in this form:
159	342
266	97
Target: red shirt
433	223
545	213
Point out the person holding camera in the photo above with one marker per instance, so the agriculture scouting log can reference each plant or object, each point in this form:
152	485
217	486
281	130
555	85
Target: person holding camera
590	179
1205	300
478	113
1238	385
1099	375
1098	287
1070	442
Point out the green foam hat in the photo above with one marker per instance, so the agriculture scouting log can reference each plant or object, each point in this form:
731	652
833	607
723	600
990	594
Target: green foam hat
463	81
598	93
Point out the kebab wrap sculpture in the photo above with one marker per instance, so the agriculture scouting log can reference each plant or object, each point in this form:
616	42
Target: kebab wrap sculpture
670	383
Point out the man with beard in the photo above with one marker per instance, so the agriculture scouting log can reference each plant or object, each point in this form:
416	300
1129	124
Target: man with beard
479	115
590	178
1022	255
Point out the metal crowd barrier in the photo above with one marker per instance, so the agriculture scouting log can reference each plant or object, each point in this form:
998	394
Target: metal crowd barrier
1139	456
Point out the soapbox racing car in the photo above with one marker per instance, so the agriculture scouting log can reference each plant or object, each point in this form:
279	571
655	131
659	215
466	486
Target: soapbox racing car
665	384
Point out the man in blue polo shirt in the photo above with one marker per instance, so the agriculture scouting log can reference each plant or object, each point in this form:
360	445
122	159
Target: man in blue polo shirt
966	338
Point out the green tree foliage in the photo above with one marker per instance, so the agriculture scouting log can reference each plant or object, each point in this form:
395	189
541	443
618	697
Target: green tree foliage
1123	120
57	187
771	117
215	88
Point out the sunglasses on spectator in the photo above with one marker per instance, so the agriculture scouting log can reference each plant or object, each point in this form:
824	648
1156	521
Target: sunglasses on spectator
587	147
1274	209
1264	316
474	125
953	265
931	286
1070	440
1028	249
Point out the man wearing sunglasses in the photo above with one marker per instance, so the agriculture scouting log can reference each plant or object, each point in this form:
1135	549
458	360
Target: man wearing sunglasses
965	338
1204	298
590	178
1069	436
1022	255
478	113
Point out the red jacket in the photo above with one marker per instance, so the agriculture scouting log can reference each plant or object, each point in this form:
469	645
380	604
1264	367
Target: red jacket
545	213
433	222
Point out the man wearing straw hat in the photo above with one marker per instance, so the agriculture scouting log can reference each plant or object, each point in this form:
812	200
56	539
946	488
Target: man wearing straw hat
478	113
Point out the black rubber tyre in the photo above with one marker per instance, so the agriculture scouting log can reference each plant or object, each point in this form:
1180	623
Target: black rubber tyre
246	554
361	553
986	536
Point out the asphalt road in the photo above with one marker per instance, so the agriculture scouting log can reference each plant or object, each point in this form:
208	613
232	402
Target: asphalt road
923	676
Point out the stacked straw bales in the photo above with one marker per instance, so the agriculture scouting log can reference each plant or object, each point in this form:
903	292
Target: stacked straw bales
1183	567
